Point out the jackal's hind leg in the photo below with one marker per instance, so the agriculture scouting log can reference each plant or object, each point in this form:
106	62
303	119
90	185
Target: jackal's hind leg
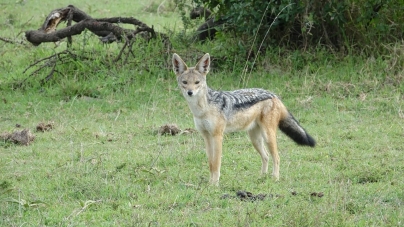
258	143
270	140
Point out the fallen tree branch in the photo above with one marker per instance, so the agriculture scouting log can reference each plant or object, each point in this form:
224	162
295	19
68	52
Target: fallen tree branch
101	27
20	42
107	29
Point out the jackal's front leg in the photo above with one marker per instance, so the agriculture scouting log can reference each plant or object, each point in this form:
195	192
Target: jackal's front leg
214	153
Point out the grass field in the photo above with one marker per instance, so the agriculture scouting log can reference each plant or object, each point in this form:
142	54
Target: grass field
103	164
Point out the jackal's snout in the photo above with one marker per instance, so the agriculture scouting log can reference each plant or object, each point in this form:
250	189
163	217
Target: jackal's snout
190	93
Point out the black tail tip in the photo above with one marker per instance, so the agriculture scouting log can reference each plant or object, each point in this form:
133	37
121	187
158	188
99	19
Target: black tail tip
310	141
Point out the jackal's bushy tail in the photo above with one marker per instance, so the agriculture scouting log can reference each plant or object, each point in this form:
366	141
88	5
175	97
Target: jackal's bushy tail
290	126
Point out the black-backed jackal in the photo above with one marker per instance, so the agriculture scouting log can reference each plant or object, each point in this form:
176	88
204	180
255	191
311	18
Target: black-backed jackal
257	111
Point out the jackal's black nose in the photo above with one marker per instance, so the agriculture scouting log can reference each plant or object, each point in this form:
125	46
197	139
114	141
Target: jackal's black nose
189	93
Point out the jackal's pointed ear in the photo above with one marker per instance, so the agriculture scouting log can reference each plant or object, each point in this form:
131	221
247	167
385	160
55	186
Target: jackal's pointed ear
203	64
179	65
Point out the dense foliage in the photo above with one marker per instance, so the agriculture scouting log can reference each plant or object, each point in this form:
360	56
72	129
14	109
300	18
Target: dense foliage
339	24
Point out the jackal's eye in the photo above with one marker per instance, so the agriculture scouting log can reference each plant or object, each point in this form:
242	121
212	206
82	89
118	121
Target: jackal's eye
184	82
196	82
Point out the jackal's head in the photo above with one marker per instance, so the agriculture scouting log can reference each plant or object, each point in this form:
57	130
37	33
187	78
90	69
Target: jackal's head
191	80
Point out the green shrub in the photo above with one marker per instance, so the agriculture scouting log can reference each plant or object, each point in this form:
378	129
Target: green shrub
341	25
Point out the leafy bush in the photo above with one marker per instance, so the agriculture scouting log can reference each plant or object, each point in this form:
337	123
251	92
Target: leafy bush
341	25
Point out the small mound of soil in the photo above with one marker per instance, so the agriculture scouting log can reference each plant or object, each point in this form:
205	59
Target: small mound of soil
169	129
172	130
312	194
317	194
246	196
23	137
42	127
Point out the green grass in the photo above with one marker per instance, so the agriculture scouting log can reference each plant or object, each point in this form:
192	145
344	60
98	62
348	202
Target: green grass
104	165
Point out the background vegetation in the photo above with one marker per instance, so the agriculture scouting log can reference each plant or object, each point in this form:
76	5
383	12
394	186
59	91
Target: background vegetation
345	26
103	164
